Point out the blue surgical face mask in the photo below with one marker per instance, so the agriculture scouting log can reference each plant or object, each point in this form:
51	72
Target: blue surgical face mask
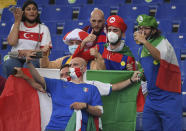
72	48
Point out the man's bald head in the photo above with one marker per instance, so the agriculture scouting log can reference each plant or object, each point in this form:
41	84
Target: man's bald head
97	20
97	12
77	62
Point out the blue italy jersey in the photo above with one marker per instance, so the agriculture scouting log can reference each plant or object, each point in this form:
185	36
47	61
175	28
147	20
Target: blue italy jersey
63	95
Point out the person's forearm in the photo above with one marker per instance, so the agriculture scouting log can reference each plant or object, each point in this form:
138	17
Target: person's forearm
121	85
44	62
13	35
94	110
32	82
98	63
153	51
56	64
35	74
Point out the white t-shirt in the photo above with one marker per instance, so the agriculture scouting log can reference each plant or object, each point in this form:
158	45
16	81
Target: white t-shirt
104	88
31	38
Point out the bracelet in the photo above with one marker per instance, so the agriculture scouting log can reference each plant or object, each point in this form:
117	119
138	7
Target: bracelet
131	81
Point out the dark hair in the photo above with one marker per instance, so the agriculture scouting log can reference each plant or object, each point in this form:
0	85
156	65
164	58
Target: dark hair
26	3
63	66
157	33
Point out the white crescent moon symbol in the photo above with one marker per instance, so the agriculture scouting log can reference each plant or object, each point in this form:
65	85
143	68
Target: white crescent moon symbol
25	35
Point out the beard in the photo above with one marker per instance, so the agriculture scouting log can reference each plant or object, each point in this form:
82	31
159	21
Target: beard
98	32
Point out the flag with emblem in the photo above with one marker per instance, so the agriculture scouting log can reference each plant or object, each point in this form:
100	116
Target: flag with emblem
85	89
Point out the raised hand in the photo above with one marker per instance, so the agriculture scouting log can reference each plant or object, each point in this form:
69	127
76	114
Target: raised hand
46	49
19	72
135	77
94	52
18	14
90	38
140	37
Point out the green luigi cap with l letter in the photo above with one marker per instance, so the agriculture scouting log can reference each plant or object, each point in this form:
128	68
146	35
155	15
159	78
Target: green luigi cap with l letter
145	20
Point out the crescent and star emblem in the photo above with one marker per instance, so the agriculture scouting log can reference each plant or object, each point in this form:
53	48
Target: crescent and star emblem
26	35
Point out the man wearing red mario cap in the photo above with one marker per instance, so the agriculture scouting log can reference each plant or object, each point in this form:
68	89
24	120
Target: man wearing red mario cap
116	54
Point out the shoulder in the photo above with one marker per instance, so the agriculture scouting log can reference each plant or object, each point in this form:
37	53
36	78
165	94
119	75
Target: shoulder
89	85
43	26
126	51
50	80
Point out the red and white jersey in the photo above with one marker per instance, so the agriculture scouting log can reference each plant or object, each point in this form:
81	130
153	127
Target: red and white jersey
31	38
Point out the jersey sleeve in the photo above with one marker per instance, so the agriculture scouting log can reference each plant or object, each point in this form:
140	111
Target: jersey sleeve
50	84
103	88
46	37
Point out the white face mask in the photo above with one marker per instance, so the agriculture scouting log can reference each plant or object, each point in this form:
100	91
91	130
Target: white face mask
72	48
112	37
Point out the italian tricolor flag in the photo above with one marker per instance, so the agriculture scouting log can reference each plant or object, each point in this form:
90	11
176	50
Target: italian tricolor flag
169	75
75	121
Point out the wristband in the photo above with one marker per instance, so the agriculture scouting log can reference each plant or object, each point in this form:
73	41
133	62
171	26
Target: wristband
131	81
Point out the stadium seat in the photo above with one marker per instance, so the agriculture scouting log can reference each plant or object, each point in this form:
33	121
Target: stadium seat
7	15
55	28
184	97
56	13
70	25
147	1
5	27
109	2
178	40
183	72
85	11
165	26
182	28
171	11
52	26
184	123
69	3
4	44
129	41
131	26
178	1
130	12
39	2
59	45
